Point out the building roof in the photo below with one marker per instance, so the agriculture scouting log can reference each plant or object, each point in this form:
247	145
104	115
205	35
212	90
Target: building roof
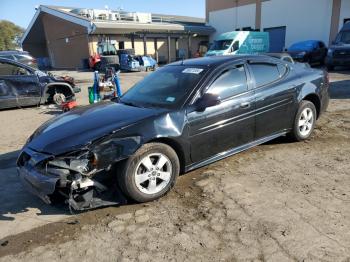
120	22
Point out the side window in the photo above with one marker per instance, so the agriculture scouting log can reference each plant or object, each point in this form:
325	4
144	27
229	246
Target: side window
9	69
229	83
265	73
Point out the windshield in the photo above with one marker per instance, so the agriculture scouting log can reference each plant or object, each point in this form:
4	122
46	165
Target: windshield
221	45
302	46
167	87
343	37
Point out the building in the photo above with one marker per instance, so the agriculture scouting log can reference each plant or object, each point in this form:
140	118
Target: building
287	21
66	37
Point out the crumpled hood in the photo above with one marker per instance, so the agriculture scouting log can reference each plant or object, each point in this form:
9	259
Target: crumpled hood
80	127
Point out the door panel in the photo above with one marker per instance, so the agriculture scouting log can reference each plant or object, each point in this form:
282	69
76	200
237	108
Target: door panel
26	88
221	127
275	100
7	97
20	85
275	107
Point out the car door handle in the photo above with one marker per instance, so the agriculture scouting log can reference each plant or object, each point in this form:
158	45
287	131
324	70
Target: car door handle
245	105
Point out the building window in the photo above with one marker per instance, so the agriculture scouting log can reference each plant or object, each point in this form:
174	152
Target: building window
121	45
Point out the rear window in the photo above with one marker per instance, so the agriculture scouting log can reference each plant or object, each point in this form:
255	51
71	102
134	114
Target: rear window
266	73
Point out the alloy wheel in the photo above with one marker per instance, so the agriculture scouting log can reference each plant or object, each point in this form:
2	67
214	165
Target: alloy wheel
153	173
306	122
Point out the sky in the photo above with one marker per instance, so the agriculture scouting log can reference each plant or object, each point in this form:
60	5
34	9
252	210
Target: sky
21	12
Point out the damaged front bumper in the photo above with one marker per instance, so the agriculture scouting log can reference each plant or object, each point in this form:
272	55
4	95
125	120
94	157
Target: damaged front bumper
36	183
80	192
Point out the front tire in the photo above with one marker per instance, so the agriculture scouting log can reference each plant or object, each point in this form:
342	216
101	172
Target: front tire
304	121
150	173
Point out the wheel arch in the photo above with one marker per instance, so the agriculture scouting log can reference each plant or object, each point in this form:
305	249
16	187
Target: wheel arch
314	98
176	147
52	88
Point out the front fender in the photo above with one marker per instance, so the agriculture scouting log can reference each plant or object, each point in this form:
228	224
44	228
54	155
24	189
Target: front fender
113	149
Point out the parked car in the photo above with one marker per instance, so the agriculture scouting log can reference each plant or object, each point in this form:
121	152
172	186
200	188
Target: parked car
339	51
20	56
181	117
22	85
311	51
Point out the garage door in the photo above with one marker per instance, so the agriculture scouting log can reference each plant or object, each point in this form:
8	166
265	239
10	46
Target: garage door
277	38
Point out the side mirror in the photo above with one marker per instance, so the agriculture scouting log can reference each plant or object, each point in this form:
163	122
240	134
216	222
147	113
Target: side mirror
207	100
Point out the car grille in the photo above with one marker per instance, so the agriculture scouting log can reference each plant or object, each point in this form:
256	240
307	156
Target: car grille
342	53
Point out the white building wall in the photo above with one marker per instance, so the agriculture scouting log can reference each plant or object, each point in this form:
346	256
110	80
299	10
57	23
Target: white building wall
304	19
227	20
344	12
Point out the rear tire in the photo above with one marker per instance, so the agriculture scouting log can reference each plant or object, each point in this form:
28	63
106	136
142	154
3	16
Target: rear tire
304	121
149	173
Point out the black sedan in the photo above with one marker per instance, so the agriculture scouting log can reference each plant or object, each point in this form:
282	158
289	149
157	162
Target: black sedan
181	117
311	51
22	85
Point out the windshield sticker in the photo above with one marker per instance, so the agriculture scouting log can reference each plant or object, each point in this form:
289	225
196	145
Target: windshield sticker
170	99
192	71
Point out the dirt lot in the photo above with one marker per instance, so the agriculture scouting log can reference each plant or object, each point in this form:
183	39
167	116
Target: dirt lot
280	201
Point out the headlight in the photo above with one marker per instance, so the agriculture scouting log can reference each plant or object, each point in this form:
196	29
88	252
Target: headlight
83	163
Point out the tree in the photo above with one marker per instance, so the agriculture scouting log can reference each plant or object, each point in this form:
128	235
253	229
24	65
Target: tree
10	35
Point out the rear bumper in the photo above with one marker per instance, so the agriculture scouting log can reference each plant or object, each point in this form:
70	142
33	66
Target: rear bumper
36	183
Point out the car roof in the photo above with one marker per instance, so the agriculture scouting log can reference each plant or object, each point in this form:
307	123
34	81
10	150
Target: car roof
212	61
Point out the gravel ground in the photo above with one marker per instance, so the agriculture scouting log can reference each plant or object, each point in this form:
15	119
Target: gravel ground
280	201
